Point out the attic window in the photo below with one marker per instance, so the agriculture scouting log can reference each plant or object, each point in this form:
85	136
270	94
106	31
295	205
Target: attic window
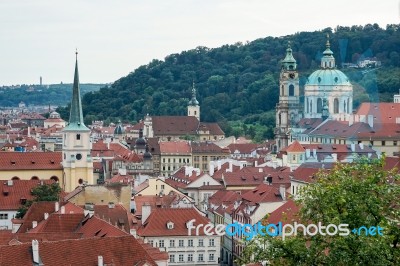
243	178
13	162
52	161
33	162
170	225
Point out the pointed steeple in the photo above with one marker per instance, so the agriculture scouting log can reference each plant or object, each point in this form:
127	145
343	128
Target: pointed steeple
76	114
193	101
289	63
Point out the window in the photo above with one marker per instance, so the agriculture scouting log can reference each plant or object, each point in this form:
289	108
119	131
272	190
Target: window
394	143
301	157
211	257
335	106
181	243
211	242
190	257
180	257
78	136
190	243
161	243
201	243
294	158
172	243
171	258
383	143
162	186
151	242
201	257
319	105
3	216
291	90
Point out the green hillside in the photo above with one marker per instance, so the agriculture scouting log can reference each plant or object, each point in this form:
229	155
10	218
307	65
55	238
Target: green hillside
237	85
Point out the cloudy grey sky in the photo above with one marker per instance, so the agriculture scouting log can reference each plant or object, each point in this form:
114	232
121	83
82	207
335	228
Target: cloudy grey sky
39	37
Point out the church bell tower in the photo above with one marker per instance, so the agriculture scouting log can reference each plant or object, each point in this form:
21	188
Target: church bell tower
288	107
77	161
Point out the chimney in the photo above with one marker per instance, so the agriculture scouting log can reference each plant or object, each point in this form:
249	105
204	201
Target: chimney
308	153
353	147
29	132
35	251
211	170
46	215
361	145
10	183
62	210
351	120
146	210
371	121
57	207
282	191
230	167
100	261
255	163
34	224
334	156
356	118
314	153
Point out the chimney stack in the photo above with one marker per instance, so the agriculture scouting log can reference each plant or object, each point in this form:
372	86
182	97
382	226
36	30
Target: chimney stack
34	224
35	251
57	207
282	191
211	170
353	147
146	210
100	261
62	210
370	120
46	215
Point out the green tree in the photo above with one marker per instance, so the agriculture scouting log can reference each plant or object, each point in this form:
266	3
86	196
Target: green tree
357	194
46	192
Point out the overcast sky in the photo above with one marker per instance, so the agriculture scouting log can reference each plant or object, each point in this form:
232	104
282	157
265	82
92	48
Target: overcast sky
39	37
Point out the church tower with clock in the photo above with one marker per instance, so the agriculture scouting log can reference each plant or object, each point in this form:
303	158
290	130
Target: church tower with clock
288	109
77	161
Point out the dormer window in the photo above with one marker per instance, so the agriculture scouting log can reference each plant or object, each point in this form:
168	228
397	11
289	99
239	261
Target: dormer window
170	225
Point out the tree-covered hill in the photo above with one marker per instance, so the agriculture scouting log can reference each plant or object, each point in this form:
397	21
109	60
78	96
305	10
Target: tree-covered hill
239	82
54	94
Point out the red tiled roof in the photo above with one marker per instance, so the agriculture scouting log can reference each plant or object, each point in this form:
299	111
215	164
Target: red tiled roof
59	223
392	162
97	227
11	195
30	160
175	147
382	112
154	201
244	148
251	176
175	125
118	251
206	147
263	193
117	215
305	174
213	128
287	214
156	223
36	213
295	147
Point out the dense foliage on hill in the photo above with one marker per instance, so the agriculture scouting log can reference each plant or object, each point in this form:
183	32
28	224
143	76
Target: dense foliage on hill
54	94
239	82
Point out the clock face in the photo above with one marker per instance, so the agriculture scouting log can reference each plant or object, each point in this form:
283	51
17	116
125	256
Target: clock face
292	75
79	156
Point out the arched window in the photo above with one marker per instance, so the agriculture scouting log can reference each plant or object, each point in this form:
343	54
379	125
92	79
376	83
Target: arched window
348	106
34	178
344	106
291	90
54	178
282	91
335	106
78	136
15	178
319	106
280	119
311	109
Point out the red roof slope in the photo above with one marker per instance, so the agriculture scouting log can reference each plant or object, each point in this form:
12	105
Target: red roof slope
287	213
122	250
175	125
156	223
12	192
295	147
382	112
30	160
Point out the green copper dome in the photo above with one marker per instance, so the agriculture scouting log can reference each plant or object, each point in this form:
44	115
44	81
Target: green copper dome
328	77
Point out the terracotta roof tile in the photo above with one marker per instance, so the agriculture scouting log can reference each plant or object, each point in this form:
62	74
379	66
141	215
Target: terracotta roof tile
382	112
119	251
30	160
287	213
175	125
156	223
295	147
175	147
